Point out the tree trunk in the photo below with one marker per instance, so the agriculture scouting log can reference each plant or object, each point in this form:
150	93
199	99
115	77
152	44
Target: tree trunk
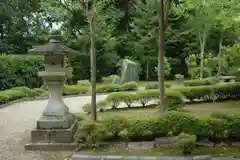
147	70
161	55
93	64
220	55
202	41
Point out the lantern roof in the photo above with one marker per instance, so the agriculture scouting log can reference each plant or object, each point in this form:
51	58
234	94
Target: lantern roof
54	45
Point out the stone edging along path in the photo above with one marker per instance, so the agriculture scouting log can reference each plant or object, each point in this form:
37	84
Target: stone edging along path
113	157
116	157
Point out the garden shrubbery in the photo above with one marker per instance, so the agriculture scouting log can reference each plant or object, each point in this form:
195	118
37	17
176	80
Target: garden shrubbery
75	89
17	93
105	88
201	82
213	129
156	85
173	97
20	70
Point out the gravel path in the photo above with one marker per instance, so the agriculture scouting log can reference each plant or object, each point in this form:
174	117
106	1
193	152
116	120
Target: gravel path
16	122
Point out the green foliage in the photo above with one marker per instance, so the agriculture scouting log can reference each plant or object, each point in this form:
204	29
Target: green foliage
129	98
101	106
85	83
186	143
228	91
115	99
130	86
90	132
115	125
156	85
39	90
16	93
20	71
172	122
105	88
201	82
179	77
109	79
173	100
75	89
28	92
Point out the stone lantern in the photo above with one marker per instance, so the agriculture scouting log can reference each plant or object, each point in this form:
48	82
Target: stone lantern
56	126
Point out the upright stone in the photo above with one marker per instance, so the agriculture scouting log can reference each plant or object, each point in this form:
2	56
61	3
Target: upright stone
129	71
55	128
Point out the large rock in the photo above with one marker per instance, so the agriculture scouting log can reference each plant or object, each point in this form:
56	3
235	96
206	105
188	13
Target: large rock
129	71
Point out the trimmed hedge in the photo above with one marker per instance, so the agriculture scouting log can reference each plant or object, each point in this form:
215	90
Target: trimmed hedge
20	70
105	88
17	93
75	89
174	98
156	85
173	122
228	91
201	82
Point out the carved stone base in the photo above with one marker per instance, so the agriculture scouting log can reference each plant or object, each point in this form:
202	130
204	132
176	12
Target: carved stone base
55	122
54	135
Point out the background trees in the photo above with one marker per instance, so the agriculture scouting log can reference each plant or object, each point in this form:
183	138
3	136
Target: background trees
123	28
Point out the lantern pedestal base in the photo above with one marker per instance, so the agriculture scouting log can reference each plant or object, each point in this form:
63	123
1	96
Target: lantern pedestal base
53	139
55	122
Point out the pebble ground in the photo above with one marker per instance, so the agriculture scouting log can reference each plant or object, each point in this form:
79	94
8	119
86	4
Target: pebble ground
16	122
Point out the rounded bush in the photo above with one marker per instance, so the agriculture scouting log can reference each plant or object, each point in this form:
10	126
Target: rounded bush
186	143
74	89
28	92
109	79
156	85
115	99
115	125
130	86
105	88
84	83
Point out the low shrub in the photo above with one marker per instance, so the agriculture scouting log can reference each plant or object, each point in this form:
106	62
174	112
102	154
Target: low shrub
130	86
228	91
156	85
115	125
179	77
186	143
75	89
11	95
146	96
115	99
109	79
28	92
84	83
129	98
101	106
170	123
105	88
174	100
201	82
90	133
39	90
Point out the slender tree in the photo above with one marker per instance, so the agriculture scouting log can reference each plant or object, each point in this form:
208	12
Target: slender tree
161	54
91	19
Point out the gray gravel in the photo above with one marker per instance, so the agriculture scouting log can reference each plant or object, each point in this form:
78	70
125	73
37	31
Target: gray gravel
16	122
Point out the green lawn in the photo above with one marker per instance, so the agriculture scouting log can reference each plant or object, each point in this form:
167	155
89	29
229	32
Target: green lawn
198	110
216	151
